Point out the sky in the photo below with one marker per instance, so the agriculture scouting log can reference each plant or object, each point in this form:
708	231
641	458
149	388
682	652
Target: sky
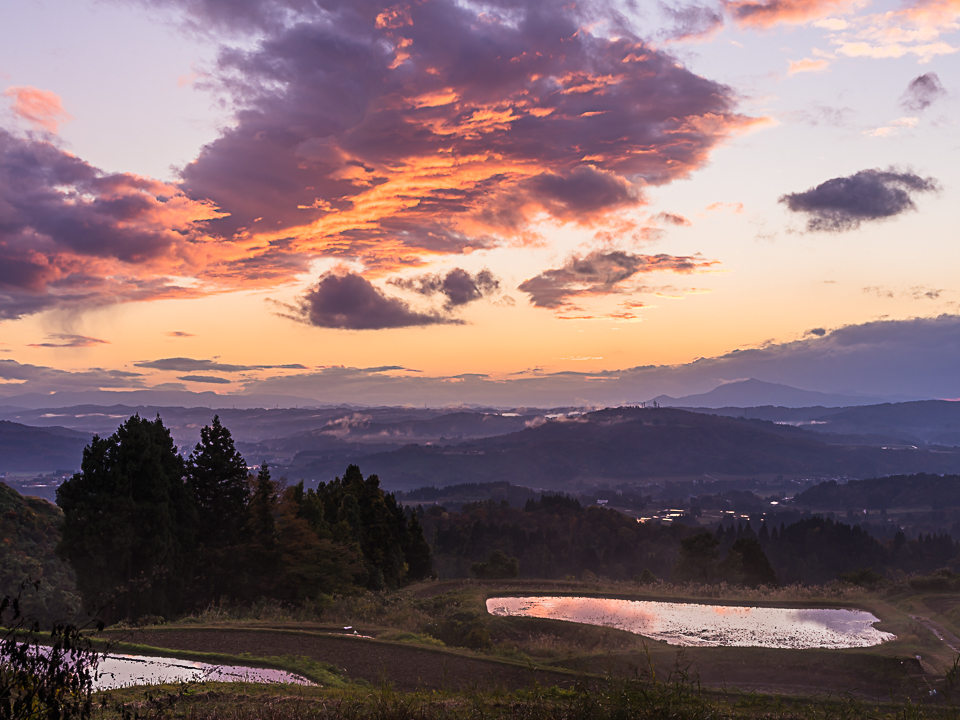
509	202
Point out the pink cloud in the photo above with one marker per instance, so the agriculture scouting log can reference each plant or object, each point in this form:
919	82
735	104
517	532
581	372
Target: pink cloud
41	108
767	13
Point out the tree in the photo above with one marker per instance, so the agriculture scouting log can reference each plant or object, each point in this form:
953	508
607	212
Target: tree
130	522
358	511
498	566
217	473
698	559
747	564
417	552
218	476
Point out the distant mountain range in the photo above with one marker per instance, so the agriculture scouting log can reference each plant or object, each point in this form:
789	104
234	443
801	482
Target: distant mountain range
755	393
412	447
25	449
924	422
742	393
634	444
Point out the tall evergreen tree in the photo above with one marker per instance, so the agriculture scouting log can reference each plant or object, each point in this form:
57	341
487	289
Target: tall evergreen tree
130	522
217	473
260	553
218	476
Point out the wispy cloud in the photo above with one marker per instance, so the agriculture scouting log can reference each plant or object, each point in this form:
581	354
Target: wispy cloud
41	108
69	341
602	273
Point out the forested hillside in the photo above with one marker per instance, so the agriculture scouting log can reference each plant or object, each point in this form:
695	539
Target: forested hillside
29	566
556	537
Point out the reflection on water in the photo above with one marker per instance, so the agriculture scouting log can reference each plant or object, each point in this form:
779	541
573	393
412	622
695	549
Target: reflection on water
115	671
705	625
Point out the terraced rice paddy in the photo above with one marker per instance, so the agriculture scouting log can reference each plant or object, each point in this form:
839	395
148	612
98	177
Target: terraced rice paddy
692	624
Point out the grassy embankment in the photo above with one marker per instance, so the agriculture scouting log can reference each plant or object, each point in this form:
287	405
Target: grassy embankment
438	638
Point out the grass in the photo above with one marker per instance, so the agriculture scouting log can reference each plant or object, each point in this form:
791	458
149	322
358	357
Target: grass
676	695
615	667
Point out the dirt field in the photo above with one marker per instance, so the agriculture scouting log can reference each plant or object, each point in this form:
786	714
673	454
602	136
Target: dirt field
406	667
409	667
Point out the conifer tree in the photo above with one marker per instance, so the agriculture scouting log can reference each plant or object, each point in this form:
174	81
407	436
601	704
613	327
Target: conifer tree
261	558
129	522
217	473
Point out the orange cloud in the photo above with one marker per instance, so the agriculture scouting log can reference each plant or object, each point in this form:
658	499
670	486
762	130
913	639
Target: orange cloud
465	144
807	65
767	13
38	107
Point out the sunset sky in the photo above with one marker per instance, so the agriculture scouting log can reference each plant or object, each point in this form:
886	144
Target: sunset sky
504	202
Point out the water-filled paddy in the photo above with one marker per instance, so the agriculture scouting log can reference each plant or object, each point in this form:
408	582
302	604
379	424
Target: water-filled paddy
115	671
123	670
707	625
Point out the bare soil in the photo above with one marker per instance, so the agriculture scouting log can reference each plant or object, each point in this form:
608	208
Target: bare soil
405	667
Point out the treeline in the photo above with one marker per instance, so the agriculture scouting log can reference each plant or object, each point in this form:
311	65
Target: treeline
149	532
556	537
553	537
923	490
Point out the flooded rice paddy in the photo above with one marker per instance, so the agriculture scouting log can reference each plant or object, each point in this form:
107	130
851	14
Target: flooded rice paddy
115	671
695	624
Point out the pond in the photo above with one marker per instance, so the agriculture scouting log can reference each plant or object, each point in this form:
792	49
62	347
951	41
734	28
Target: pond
116	671
124	670
695	624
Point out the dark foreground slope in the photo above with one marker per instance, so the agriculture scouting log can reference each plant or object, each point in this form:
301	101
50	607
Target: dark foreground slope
29	532
643	443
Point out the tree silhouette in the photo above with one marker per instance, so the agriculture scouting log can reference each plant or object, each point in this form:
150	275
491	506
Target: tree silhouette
217	473
130	522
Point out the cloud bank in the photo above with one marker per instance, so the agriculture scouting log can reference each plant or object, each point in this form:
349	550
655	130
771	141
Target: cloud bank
910	358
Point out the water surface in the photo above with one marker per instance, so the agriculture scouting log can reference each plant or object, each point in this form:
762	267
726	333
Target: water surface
695	624
124	670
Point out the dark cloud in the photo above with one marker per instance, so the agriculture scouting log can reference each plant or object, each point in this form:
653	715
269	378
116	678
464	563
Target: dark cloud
180	364
37	378
368	131
458	286
72	235
601	273
206	379
691	21
69	341
241	16
581	193
351	100
819	332
844	203
922	92
350	302
179	334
